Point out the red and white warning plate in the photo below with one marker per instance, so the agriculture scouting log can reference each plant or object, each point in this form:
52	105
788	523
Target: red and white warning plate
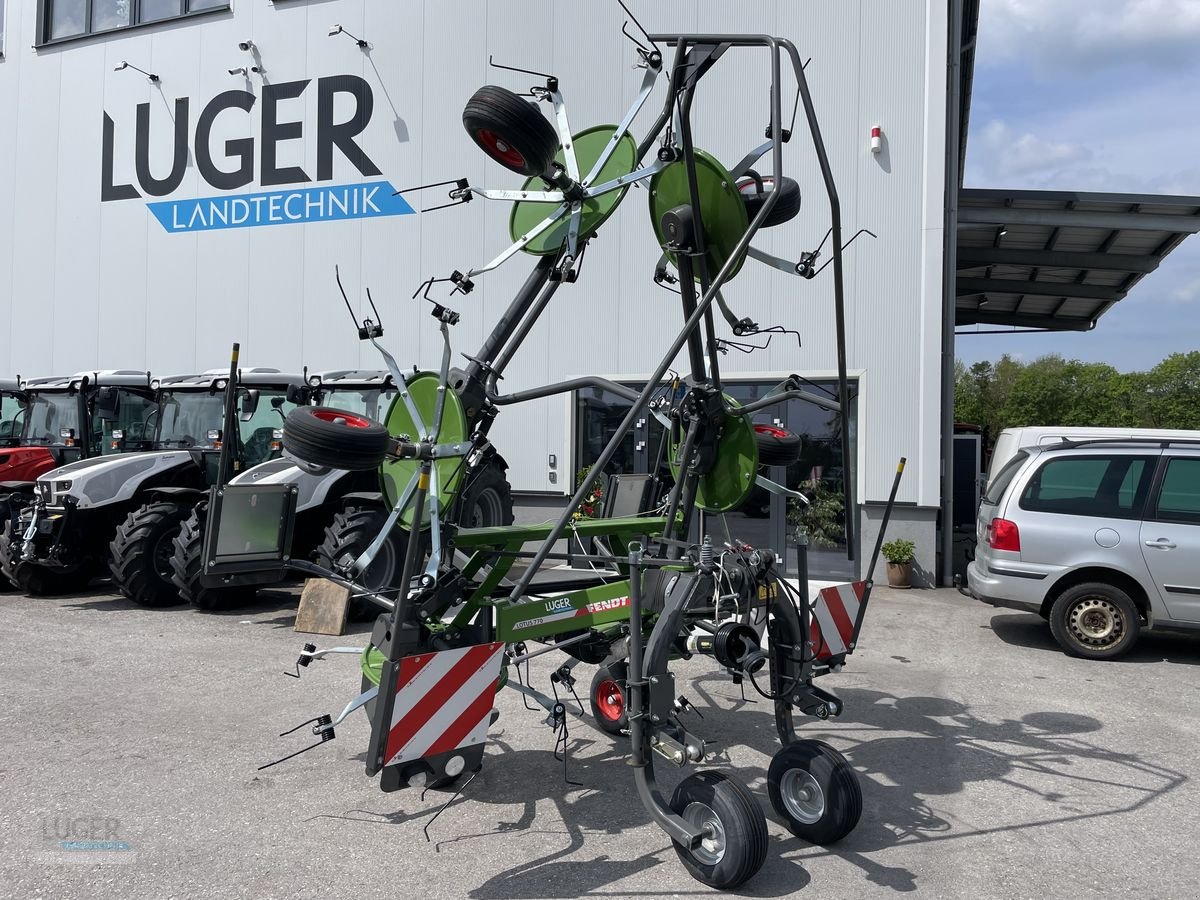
443	701
834	614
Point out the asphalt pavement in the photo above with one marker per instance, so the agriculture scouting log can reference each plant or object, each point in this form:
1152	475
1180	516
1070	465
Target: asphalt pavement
991	765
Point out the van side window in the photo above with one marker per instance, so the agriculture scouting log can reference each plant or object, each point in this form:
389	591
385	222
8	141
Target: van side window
1109	486
1179	497
996	487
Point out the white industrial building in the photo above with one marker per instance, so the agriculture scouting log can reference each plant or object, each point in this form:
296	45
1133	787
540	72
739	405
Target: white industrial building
177	175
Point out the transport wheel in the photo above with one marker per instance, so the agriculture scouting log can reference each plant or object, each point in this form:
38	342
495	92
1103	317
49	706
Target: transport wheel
735	843
325	436
35	580
755	189
140	553
816	791
609	696
511	130
777	446
487	499
349	534
1095	621
187	561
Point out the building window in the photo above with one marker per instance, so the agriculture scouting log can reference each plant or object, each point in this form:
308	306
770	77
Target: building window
63	19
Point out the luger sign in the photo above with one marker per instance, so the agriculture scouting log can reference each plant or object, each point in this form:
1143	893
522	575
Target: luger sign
235	164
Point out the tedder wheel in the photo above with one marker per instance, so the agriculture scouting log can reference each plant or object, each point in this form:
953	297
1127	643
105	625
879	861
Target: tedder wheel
511	130
140	553
349	534
325	436
609	696
776	446
735	843
186	565
1095	621
755	190
816	791
35	580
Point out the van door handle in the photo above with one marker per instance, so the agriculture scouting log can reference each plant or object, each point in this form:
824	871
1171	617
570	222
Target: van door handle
1161	544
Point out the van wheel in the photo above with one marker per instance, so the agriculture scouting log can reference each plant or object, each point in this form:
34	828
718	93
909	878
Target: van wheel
1095	621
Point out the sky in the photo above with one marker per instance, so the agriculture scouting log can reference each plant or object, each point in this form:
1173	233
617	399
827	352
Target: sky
1094	95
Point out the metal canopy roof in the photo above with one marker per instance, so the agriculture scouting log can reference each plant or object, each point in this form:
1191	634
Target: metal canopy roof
1058	260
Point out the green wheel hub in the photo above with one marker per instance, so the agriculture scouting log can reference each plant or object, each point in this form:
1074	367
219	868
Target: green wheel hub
395	474
726	486
589	144
722	210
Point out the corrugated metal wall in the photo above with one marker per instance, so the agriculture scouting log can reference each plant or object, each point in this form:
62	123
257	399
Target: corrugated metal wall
85	283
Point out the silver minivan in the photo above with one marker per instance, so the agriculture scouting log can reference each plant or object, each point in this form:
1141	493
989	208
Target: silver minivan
1100	537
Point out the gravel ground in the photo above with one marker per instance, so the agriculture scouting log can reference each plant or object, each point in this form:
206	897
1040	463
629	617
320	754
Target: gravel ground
992	766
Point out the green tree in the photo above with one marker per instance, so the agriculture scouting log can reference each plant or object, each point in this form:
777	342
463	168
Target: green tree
1173	392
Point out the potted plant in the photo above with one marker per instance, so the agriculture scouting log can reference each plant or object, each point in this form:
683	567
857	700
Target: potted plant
899	556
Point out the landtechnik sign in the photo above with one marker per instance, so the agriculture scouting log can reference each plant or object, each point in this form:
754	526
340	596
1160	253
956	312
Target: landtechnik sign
234	165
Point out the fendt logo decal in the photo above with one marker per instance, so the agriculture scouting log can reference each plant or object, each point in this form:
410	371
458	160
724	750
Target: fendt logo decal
233	166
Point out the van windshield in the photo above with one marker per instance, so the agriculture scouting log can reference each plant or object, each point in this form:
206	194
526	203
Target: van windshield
996	487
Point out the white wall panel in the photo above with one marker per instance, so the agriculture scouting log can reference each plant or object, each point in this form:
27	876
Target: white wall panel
85	283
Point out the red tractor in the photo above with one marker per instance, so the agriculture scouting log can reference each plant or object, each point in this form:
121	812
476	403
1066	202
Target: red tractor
20	463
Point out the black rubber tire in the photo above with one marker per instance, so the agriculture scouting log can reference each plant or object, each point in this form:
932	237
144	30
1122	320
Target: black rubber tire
510	130
35	580
486	499
139	561
777	446
610	679
349	534
187	562
335	438
839	807
1068	620
755	191
743	829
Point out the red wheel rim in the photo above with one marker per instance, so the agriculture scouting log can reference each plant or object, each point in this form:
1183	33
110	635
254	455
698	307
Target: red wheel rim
772	431
748	187
499	149
339	417
610	700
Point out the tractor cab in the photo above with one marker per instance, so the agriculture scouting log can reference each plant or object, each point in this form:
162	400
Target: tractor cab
77	416
12	411
191	414
367	392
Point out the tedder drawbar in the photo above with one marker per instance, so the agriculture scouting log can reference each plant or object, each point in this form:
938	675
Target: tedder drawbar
455	625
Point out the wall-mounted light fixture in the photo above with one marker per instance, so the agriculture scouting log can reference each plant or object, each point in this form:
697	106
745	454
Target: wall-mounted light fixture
246	46
126	65
244	71
335	30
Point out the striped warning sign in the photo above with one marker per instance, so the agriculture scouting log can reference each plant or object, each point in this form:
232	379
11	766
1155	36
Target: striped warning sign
834	614
443	701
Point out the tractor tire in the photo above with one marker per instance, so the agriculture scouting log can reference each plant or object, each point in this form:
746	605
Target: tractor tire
755	190
35	580
736	844
324	436
776	446
486	499
187	561
350	533
140	553
511	130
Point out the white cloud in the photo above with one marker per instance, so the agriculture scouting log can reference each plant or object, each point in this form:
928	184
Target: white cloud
1188	292
1059	34
999	154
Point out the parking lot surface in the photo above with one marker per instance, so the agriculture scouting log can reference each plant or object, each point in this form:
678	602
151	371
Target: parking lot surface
992	766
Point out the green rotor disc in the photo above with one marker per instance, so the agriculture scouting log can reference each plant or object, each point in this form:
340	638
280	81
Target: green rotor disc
722	209
726	486
395	474
589	145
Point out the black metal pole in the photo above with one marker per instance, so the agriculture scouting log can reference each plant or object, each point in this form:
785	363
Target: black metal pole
229	428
